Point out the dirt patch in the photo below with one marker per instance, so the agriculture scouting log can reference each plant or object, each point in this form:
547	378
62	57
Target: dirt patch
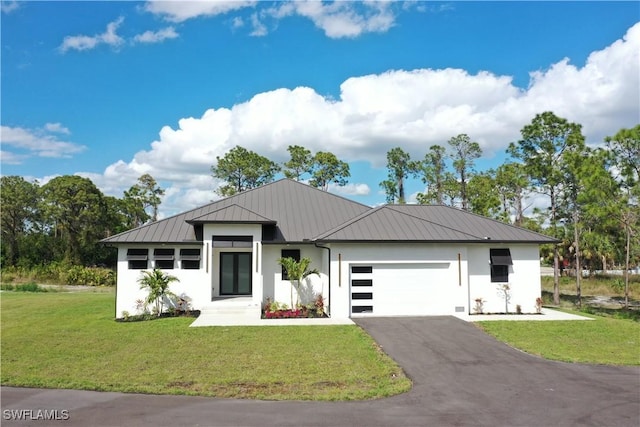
76	288
609	302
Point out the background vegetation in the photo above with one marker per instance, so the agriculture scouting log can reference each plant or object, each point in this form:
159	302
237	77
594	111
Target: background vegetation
592	197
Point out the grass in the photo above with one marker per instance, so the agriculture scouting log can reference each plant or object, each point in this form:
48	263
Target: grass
612	286
25	287
603	340
70	340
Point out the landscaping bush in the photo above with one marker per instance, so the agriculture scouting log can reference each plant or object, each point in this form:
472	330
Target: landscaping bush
276	310
125	316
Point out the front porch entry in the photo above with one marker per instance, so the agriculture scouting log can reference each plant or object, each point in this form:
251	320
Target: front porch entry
235	273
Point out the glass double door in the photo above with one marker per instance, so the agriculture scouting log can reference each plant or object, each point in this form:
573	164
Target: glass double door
235	273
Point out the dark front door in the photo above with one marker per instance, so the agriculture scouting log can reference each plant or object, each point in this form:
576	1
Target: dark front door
235	273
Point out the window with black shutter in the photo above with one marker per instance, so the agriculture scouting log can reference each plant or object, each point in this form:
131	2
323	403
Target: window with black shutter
500	262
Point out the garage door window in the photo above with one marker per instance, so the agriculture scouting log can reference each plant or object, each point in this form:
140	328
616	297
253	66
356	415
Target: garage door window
500	262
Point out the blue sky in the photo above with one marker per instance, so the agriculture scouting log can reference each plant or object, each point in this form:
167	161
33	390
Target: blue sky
113	90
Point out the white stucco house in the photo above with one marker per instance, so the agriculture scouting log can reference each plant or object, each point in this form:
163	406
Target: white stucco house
393	260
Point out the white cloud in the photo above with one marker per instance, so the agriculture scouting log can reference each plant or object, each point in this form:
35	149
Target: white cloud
156	36
341	18
36	142
413	109
337	19
237	22
82	42
9	6
259	29
9	158
180	11
57	128
350	189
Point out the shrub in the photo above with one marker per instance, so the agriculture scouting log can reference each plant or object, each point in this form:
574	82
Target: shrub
479	307
8	278
7	287
318	305
539	305
89	276
275	310
30	287
60	273
617	285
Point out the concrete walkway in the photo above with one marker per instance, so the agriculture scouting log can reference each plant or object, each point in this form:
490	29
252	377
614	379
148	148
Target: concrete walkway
246	321
547	314
241	320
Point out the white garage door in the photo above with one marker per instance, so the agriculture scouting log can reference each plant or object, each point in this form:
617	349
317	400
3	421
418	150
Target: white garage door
414	289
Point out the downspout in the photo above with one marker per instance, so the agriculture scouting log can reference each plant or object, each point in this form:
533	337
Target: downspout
328	273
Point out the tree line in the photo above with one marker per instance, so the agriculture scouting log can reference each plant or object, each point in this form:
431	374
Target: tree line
63	220
593	195
241	169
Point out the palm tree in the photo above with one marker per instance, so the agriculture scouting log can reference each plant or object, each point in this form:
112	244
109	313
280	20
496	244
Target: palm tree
157	282
297	272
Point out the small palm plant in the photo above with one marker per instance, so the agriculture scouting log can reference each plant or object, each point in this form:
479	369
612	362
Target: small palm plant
297	272
157	282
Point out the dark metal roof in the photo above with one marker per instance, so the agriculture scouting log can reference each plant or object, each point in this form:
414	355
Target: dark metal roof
420	223
388	224
233	213
301	212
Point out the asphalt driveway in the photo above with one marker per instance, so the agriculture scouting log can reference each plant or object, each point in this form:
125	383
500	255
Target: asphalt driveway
462	377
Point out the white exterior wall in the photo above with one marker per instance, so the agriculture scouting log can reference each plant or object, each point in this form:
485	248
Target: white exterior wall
280	290
445	256
200	286
462	282
524	278
128	288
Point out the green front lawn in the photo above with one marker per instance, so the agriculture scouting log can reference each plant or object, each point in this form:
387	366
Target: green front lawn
70	340
602	340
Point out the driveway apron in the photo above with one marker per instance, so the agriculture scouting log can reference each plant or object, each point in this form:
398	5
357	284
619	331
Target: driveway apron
461	377
460	372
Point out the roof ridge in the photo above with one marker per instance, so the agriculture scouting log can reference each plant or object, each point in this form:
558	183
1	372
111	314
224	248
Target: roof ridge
493	220
431	222
347	223
185	214
322	191
229	206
